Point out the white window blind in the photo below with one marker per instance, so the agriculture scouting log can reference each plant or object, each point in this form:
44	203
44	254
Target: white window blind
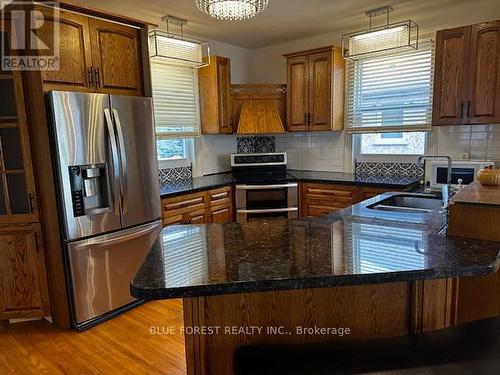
175	100
391	93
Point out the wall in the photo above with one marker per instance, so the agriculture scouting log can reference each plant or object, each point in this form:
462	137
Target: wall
240	60
212	154
313	151
477	142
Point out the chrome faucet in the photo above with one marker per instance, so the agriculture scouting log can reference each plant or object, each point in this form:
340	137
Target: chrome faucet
447	191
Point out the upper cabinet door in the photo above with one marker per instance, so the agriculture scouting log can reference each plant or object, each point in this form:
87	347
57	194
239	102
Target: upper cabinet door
74	53
483	106
116	58
224	93
320	90
297	93
450	79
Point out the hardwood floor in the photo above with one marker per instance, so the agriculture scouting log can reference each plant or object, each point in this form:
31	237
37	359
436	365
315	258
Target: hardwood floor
122	345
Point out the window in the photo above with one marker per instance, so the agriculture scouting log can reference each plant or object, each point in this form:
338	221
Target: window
171	149
391	93
176	108
395	143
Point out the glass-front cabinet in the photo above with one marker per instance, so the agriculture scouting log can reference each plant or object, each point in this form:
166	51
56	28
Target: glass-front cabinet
17	193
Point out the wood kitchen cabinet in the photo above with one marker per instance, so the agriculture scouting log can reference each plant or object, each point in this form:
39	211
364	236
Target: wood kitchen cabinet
467	75
94	55
215	96
212	206
23	280
18	202
321	199
221	205
116	58
367	192
315	93
474	212
75	60
184	209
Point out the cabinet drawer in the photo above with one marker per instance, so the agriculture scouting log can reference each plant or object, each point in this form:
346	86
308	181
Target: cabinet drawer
337	193
176	206
220	196
314	210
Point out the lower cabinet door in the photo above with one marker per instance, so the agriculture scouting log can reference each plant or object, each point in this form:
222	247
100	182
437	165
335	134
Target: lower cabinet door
196	218
23	279
221	215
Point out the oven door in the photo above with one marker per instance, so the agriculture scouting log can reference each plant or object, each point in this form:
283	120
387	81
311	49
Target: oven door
266	201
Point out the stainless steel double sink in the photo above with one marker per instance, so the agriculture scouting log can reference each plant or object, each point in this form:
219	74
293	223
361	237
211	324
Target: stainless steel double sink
409	202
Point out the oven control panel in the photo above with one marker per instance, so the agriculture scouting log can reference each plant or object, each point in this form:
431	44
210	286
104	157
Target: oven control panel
268	159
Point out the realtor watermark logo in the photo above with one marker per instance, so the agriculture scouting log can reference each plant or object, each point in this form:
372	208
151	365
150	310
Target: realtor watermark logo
33	36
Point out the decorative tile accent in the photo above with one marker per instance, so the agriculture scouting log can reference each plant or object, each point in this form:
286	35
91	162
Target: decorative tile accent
244	145
388	169
256	144
265	144
173	175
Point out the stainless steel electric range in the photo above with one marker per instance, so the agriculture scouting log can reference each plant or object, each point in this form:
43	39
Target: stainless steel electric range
264	189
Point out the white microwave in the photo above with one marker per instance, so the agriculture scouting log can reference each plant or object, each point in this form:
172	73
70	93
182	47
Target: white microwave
464	170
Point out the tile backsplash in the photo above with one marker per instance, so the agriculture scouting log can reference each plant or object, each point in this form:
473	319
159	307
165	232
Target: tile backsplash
321	151
255	144
467	142
388	169
171	175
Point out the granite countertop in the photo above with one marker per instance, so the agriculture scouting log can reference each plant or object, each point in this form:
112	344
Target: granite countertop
351	178
355	246
197	184
475	193
226	179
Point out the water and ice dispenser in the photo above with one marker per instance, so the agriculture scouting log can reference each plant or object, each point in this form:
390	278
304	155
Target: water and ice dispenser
90	192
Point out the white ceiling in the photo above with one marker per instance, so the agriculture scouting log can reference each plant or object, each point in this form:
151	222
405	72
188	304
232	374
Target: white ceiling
286	20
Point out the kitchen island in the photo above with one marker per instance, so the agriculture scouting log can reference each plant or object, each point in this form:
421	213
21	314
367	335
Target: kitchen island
358	273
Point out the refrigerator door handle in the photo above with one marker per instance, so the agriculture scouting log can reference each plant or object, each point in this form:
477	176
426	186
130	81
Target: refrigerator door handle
123	158
115	161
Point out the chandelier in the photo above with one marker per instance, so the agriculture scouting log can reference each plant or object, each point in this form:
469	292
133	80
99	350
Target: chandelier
388	38
231	10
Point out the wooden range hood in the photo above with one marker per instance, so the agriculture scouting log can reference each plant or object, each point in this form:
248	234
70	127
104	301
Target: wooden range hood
259	109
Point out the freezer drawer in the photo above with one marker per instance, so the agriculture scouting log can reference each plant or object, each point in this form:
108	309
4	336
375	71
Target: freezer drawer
102	268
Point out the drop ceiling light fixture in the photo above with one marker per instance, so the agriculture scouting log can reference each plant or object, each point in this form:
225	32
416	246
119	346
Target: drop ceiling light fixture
176	48
232	10
389	38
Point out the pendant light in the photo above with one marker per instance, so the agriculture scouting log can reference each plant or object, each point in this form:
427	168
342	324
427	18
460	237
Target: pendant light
232	10
389	38
176	48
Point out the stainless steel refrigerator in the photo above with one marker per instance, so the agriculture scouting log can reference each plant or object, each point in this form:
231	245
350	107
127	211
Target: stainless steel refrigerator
105	159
